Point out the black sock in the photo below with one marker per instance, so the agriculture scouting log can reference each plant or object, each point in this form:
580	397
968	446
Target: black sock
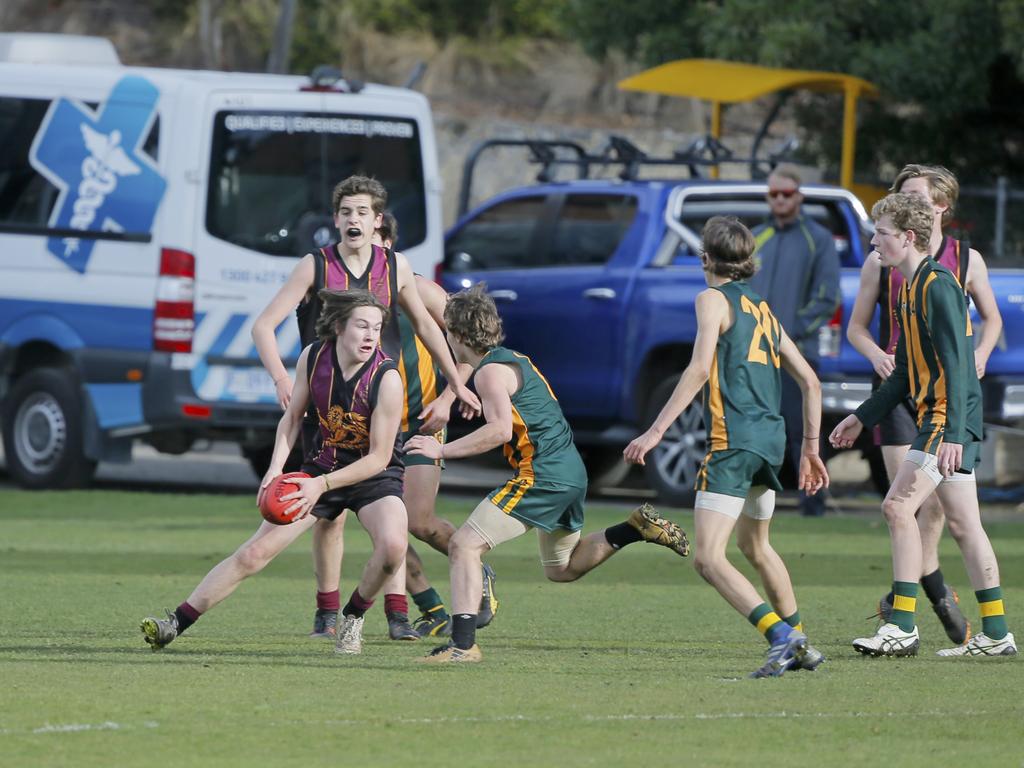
890	597
934	586
463	630
622	534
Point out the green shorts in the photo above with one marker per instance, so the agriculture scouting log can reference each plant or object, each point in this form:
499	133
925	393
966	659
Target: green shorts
925	441
733	472
418	460
547	507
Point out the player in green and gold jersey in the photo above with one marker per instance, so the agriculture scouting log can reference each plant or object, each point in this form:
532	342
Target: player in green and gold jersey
737	355
935	365
548	487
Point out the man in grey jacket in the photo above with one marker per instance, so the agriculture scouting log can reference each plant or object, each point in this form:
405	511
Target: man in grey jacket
798	274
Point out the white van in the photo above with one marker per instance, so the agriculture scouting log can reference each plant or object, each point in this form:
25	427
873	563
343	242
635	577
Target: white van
146	217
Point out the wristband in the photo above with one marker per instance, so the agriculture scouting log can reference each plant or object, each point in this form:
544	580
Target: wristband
808	437
280	379
327	484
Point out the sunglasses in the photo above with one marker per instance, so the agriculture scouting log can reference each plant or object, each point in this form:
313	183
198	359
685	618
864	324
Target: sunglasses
784	193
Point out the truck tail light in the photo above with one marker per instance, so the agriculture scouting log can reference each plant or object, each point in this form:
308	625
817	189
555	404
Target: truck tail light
830	335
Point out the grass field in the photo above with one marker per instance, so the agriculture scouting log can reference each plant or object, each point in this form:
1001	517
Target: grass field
639	664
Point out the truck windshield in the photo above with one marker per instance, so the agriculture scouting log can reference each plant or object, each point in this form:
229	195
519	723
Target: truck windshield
272	173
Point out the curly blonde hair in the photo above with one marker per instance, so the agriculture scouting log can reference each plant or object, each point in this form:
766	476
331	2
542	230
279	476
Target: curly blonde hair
472	318
908	212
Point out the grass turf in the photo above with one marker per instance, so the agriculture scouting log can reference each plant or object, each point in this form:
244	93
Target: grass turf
640	663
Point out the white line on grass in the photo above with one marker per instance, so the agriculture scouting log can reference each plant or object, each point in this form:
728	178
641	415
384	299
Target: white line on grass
50	728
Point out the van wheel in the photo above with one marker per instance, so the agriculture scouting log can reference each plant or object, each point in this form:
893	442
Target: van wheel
42	431
672	467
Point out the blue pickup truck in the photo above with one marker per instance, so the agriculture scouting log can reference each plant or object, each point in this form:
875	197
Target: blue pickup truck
596	280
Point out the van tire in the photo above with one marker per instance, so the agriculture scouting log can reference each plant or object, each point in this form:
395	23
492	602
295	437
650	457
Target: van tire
671	468
43	431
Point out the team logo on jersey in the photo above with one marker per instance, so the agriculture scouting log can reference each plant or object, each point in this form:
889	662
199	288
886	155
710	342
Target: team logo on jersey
95	159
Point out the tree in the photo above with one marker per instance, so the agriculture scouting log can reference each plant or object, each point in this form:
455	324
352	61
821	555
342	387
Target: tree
948	69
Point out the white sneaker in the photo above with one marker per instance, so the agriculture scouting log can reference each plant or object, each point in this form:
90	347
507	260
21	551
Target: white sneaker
983	645
350	636
889	640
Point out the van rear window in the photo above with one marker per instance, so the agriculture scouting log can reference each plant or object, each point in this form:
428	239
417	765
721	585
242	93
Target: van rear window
272	174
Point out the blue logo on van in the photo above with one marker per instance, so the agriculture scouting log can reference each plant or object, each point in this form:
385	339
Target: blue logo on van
106	183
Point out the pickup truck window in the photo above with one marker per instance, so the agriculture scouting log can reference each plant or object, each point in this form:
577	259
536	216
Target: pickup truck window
753	212
590	227
501	237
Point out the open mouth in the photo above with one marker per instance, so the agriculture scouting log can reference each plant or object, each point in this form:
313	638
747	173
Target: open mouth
353	232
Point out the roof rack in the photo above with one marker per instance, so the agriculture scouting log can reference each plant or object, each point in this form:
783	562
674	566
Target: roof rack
705	152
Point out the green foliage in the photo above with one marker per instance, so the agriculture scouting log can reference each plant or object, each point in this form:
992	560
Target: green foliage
947	68
638	664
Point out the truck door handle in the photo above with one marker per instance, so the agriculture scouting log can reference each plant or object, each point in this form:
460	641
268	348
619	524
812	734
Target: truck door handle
599	293
503	295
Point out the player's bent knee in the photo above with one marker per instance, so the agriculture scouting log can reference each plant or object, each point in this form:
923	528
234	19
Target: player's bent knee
561	574
897	513
253	557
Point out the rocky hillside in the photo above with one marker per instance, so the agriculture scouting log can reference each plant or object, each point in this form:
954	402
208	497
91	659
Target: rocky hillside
511	89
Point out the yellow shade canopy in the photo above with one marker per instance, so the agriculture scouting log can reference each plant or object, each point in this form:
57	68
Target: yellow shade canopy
727	82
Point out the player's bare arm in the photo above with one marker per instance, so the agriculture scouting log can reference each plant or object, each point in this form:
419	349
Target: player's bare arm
435	416
980	288
812	473
495	383
858	331
430	333
284	302
713	319
290	423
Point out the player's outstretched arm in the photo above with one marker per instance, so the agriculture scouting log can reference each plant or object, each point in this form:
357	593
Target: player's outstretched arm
812	474
495	383
430	332
712	310
435	416
283	304
858	332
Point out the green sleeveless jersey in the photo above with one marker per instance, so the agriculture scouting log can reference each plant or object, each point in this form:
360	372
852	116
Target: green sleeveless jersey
422	381
934	362
743	391
541	450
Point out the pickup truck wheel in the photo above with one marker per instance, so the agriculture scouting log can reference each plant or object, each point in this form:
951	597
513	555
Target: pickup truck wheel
42	431
672	467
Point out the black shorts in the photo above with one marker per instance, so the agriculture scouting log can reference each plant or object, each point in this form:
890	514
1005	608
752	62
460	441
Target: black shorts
331	504
899	427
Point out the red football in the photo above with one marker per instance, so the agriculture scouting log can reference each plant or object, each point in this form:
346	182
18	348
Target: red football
271	507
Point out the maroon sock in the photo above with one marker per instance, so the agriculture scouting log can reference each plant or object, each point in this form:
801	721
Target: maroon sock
356	605
328	601
186	616
396	604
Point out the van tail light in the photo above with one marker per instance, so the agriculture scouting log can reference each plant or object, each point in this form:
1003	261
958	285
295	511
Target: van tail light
174	319
830	335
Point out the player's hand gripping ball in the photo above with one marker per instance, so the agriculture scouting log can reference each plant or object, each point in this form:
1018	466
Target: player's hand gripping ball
273	509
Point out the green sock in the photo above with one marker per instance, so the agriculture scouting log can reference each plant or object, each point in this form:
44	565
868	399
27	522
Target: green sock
794	621
993	620
904	604
768	623
429	602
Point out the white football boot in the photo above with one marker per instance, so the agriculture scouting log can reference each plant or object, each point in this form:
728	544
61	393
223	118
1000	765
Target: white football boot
350	636
889	640
983	645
